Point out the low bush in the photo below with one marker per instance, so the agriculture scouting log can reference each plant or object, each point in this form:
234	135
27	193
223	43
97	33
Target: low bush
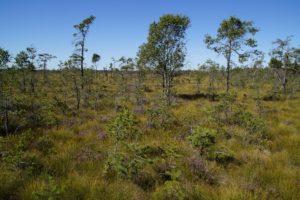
222	156
248	121
202	137
124	126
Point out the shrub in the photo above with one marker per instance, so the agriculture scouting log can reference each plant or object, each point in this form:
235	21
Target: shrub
225	108
222	156
248	121
202	137
159	117
151	151
124	126
121	165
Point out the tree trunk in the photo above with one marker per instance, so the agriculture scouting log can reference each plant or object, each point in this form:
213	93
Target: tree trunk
284	81
81	64
227	76
77	93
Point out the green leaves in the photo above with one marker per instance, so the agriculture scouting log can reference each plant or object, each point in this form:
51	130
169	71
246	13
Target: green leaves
95	58
231	36
4	58
83	26
124	126
202	137
164	49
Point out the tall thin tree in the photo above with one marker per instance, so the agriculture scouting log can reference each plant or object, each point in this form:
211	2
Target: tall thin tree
80	38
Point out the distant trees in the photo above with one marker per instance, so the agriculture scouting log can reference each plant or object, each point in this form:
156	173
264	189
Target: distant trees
44	58
80	37
95	59
32	53
283	60
25	61
4	58
165	49
233	36
212	69
22	61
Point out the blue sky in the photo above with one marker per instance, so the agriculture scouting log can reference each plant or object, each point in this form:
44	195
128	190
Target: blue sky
121	26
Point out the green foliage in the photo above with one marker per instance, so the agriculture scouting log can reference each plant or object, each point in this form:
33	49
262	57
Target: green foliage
226	108
248	121
159	117
151	151
52	149
95	58
233	37
124	126
4	58
165	49
202	137
275	63
120	165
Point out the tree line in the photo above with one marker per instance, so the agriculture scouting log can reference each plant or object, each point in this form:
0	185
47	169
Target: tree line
27	85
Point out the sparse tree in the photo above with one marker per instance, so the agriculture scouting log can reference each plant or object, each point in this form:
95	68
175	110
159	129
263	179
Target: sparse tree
80	37
44	58
233	37
212	69
95	59
283	60
22	61
32	53
165	49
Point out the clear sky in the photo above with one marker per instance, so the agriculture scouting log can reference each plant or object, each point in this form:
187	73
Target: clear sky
121	26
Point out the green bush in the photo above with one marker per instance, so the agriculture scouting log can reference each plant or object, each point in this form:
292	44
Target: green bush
124	126
150	151
159	117
202	137
121	165
248	121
